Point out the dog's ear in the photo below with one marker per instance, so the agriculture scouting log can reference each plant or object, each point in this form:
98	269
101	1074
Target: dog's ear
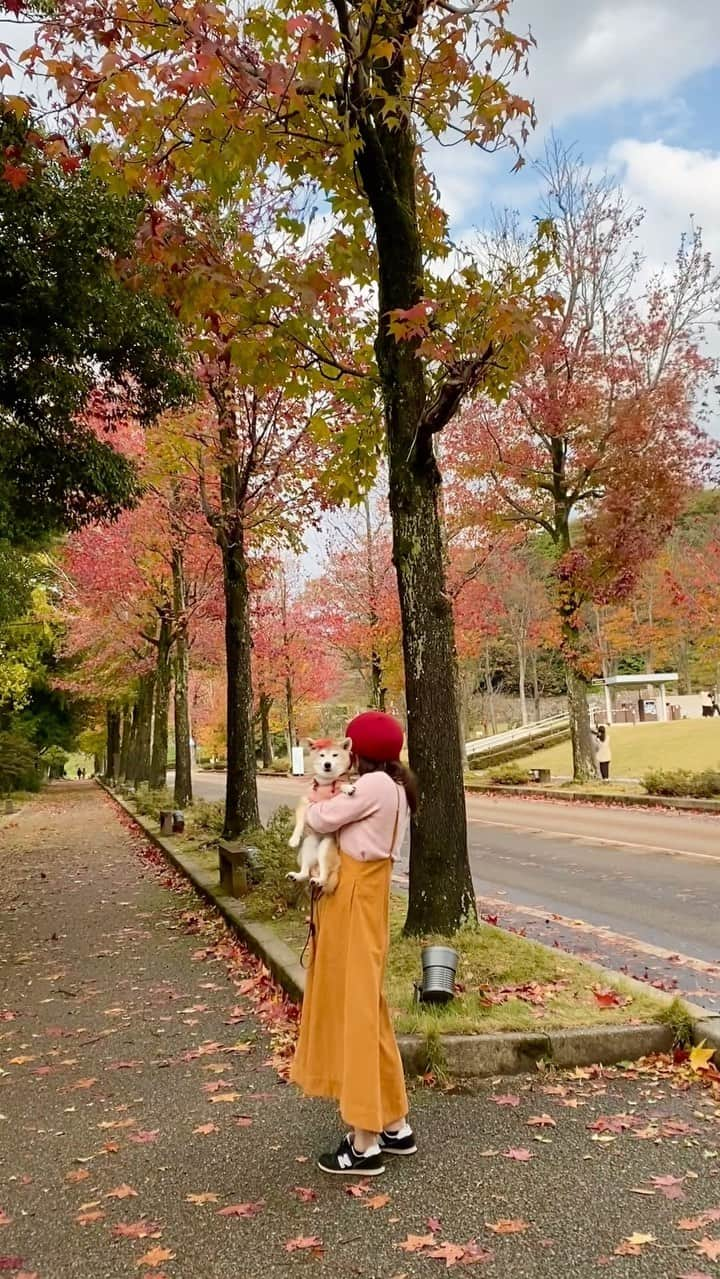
311	743
346	744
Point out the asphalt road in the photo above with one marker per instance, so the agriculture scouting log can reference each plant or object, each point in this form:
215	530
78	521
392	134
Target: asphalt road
636	890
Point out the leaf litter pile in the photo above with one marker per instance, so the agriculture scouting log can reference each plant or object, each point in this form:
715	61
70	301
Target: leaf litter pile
649	1131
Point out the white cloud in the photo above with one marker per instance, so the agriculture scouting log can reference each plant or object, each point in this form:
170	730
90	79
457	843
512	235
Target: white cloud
672	184
597	53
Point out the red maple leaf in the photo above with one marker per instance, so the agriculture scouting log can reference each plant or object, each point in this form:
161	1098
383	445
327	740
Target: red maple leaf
242	1210
303	1242
521	1155
15	175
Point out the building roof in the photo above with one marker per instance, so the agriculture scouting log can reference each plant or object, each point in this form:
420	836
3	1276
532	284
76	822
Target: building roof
641	681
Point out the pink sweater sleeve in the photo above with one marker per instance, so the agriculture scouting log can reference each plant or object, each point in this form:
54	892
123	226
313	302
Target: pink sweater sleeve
331	815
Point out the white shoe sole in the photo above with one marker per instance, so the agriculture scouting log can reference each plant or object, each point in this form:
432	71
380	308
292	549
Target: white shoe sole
388	1150
351	1172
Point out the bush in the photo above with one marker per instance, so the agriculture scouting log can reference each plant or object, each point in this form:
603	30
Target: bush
208	816
17	763
281	764
275	893
681	783
150	802
509	775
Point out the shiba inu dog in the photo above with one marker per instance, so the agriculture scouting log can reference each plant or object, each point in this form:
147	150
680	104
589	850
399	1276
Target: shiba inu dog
319	859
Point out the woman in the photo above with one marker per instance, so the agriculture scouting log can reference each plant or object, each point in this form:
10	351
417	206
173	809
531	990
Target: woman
603	753
346	1047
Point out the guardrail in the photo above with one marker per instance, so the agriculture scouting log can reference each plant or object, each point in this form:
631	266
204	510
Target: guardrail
517	736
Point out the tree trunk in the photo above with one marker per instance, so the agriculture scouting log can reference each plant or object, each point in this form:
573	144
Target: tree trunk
161	710
125	742
289	699
113	742
378	691
290	717
143	727
584	769
522	659
441	895
489	691
241	802
181	705
265	737
536	687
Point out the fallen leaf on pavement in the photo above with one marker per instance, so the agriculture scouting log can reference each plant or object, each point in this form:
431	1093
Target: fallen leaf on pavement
4	1219
86	1218
122	1192
506	1099
224	1096
709	1248
702	1219
79	1174
450	1253
302	1242
204	1129
143	1138
633	1245
242	1210
695	1274
137	1230
377	1201
305	1194
669	1186
521	1155
416	1243
155	1256
700	1058
541	1121
508	1226
433	1224
206	1198
357	1189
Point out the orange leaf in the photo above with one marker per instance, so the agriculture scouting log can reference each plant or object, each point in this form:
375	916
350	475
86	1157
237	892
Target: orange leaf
206	1198
377	1201
302	1242
450	1253
86	1218
122	1192
204	1129
137	1230
155	1256
508	1226
709	1248
242	1210
416	1243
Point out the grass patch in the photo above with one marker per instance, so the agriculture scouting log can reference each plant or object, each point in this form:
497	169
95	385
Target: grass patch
641	748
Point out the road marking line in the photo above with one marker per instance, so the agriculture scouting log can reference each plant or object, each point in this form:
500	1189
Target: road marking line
594	839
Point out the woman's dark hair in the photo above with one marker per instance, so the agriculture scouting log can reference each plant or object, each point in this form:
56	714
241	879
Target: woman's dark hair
601	732
399	773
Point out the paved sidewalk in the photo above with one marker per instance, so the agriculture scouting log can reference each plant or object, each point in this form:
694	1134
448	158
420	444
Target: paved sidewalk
141	1096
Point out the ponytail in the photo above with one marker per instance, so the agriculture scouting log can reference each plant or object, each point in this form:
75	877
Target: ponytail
399	773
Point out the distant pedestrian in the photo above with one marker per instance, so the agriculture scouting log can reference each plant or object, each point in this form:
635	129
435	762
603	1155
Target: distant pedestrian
603	753
709	706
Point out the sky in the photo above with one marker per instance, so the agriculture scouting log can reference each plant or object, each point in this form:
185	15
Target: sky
635	85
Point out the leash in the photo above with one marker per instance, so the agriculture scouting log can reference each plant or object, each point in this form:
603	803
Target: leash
312	926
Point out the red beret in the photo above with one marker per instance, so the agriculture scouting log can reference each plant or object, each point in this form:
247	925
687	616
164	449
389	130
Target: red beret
376	736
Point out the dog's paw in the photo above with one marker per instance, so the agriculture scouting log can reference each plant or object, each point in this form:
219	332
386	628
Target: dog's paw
294	841
295	875
347	788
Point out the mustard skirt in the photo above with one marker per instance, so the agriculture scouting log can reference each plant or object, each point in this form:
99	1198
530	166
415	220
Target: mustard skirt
346	1047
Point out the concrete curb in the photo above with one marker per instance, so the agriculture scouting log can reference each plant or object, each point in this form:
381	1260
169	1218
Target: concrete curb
597	797
456	1056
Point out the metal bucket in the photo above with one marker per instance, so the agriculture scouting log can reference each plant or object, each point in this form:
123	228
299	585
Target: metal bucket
439	965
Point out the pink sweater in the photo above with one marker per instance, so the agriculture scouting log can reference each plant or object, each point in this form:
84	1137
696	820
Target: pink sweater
364	822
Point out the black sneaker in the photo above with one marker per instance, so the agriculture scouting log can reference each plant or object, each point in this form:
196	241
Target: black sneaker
347	1161
398	1143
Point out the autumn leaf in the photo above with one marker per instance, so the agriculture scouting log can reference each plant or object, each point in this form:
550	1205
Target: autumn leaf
137	1230
605	997
206	1198
670	1187
377	1201
541	1121
225	1096
242	1121
508	1226
450	1253
703	1219
305	1194
433	1224
633	1245
695	1274
709	1248
155	1256
78	1174
416	1243
4	1219
204	1129
87	1218
520	1155
122	1192
357	1189
242	1210
506	1099
142	1138
303	1242
701	1057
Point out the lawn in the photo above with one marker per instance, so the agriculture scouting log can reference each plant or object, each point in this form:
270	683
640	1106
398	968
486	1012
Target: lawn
636	748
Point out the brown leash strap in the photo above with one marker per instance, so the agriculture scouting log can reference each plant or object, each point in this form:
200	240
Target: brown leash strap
312	927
